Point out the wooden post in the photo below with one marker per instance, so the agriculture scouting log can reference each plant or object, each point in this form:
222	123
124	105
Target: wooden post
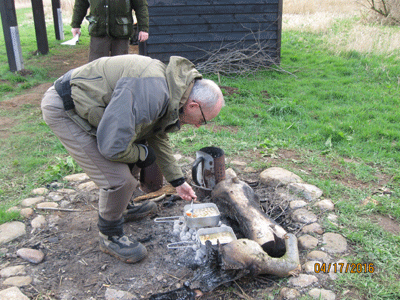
40	26
57	18
11	35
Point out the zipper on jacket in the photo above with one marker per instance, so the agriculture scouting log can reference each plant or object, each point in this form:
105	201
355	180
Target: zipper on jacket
85	78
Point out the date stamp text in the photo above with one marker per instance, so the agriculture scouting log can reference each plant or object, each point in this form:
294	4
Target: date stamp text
344	268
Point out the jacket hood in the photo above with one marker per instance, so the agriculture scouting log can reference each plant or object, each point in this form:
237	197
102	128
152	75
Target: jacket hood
180	73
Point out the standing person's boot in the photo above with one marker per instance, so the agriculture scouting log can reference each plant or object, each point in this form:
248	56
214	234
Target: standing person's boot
136	211
113	241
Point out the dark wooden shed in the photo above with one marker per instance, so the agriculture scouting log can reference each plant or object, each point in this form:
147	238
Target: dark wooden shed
196	28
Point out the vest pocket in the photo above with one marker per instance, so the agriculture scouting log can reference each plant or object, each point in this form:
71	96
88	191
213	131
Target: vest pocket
97	26
123	27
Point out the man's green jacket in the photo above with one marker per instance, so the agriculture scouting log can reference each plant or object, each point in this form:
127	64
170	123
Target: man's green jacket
130	98
111	17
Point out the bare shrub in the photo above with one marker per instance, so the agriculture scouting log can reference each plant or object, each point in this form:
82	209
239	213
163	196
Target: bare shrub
239	57
387	12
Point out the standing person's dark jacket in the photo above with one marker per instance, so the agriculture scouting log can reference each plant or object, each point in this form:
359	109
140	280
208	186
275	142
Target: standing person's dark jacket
111	17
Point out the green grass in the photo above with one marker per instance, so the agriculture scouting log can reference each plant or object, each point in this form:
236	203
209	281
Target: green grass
339	111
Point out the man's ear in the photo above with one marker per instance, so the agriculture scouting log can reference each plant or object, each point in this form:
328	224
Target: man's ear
193	104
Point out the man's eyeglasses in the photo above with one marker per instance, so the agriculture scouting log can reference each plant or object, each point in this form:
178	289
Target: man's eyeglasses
204	118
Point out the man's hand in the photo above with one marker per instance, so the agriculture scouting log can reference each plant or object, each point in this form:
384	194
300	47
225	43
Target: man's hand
75	31
186	192
143	36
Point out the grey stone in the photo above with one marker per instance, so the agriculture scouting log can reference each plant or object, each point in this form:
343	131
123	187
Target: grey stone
56	196
309	266
47	205
287	293
26	212
325	204
238	163
303	280
308	191
297	204
65	203
18	281
334	243
249	170
67	191
322	294
13	271
112	294
332	217
11	209
40	191
31	255
39	221
32	201
11	231
12	293
76	177
304	216
278	176
307	242
318	255
56	185
87	186
312	228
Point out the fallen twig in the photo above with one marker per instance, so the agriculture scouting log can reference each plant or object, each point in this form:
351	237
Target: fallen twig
60	209
164	191
157	199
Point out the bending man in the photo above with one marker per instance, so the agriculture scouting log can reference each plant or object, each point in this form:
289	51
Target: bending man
113	116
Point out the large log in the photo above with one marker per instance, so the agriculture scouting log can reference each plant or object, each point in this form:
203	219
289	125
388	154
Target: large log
244	254
237	200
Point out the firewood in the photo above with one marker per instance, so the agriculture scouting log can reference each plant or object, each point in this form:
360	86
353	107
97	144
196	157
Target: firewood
238	201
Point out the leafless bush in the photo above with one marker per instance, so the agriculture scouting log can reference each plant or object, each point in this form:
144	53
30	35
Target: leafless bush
388	11
239	57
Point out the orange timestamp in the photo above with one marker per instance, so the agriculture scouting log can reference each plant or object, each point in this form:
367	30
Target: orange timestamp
344	268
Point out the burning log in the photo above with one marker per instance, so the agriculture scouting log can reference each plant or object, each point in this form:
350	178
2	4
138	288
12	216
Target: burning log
237	200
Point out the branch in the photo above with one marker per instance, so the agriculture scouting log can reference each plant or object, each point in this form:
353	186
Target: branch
238	58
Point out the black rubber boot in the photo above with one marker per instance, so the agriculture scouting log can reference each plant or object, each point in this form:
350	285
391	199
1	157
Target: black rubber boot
113	241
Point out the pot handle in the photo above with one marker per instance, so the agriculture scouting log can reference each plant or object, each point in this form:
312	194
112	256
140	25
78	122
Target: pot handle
194	169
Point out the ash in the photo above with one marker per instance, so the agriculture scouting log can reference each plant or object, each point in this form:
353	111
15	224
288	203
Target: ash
195	254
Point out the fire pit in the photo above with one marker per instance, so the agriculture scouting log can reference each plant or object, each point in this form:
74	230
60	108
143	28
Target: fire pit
217	256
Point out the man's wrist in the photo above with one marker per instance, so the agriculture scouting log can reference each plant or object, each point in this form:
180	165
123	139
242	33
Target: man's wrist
177	182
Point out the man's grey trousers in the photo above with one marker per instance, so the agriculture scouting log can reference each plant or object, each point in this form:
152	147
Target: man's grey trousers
114	179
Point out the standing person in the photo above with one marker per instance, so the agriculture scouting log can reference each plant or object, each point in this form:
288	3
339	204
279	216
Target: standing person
110	24
104	110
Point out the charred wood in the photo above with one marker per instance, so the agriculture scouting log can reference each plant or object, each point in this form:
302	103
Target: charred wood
238	201
248	255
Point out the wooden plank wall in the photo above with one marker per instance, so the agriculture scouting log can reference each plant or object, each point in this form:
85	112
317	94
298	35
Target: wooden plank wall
193	28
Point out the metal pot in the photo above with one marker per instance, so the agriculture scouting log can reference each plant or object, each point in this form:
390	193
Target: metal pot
225	233
193	221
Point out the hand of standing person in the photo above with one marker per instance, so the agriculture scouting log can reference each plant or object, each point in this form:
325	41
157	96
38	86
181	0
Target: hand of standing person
143	36
75	31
